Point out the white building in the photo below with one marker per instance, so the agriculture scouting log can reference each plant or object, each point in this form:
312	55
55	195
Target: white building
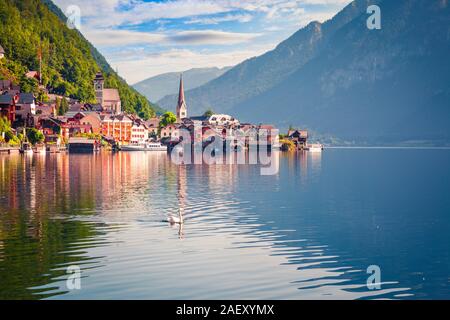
223	120
139	133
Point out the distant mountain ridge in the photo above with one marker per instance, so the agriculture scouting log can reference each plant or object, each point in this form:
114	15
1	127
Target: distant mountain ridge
377	86
157	87
256	75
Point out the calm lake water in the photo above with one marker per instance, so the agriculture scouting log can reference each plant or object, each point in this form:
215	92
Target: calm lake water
309	232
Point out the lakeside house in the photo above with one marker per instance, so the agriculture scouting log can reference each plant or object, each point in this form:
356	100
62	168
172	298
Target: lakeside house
117	127
25	108
139	133
92	119
298	137
8	106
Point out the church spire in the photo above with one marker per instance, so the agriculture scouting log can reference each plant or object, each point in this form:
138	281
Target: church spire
181	106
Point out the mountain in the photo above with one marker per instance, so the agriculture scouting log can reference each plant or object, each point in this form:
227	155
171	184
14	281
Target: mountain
377	86
69	60
158	87
256	75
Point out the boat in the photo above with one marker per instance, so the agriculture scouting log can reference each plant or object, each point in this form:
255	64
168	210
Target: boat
315	147
152	146
26	148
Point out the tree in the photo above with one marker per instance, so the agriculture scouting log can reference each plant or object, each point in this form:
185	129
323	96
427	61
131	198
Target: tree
57	106
208	113
287	145
167	118
42	96
35	136
5	125
62	106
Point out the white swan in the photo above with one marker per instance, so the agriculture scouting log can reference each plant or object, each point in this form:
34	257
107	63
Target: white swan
174	219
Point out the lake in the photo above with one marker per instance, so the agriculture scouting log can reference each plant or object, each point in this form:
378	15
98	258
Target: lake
311	231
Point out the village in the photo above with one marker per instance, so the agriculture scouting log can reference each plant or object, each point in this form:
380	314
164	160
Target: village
62	123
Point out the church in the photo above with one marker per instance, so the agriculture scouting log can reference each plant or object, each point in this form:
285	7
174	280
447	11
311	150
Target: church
109	99
181	106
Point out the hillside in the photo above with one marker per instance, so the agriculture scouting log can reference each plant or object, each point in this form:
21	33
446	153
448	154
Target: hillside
158	87
69	60
259	74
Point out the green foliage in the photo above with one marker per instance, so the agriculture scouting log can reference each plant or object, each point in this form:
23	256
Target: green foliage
63	107
166	119
35	136
69	62
93	136
287	145
5	125
208	113
42	96
10	137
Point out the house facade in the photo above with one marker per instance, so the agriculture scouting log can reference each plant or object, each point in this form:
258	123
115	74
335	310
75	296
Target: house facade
169	131
8	106
139	133
92	119
117	127
25	107
299	137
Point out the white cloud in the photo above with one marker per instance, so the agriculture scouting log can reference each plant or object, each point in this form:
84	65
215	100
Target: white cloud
115	38
109	13
242	18
137	65
124	30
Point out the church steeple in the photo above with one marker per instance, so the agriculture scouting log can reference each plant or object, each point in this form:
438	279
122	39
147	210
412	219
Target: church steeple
99	82
181	106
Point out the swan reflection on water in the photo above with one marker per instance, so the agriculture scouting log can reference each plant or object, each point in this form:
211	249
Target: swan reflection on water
172	219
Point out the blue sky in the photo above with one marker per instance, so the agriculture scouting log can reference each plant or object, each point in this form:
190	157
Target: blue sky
145	38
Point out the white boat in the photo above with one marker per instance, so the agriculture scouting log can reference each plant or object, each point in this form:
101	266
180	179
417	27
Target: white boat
152	146
314	147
